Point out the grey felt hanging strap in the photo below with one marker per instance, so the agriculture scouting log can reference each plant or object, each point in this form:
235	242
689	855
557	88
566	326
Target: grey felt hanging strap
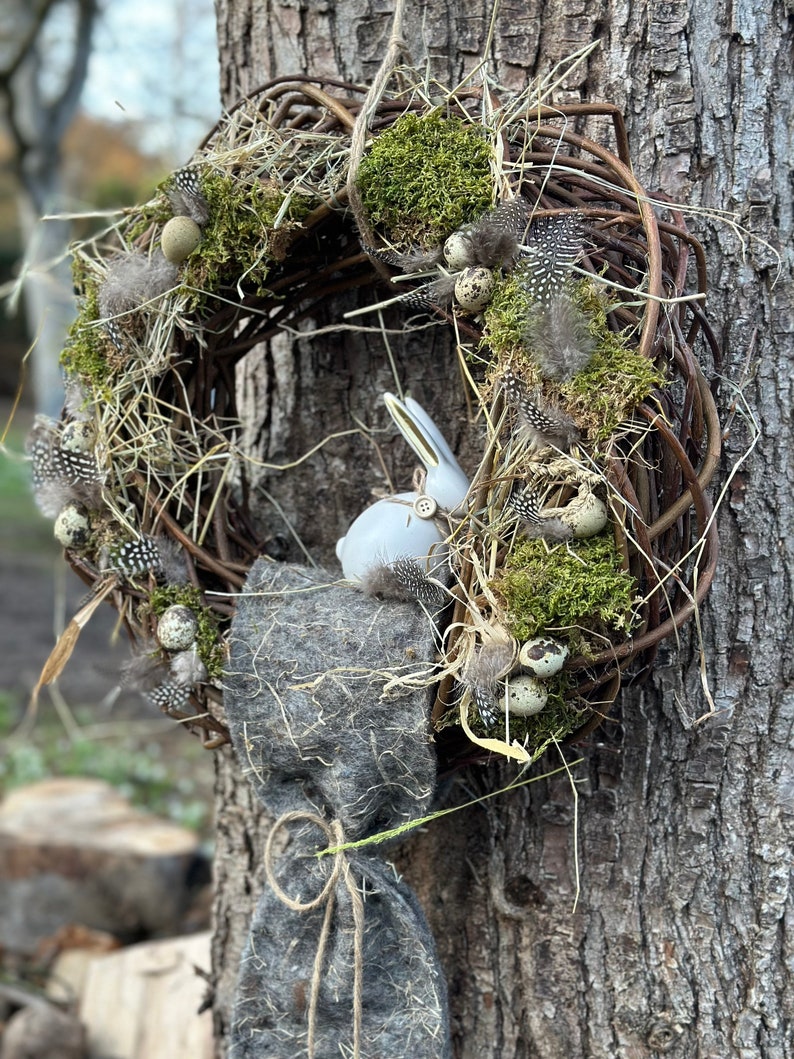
327	701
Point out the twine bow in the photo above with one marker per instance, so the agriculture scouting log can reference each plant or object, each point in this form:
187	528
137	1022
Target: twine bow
327	896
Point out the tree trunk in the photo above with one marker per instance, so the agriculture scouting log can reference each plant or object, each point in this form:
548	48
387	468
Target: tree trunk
39	101
676	944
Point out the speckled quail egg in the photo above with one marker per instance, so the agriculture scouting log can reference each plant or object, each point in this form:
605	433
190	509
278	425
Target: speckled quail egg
586	515
78	436
543	656
474	288
525	695
457	251
72	526
177	628
181	236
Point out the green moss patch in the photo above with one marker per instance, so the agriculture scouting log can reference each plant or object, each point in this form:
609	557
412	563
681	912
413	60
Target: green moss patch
426	176
240	242
555	721
579	587
507	316
606	393
87	346
616	379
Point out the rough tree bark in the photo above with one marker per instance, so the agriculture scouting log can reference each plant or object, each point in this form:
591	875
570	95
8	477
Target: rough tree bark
677	945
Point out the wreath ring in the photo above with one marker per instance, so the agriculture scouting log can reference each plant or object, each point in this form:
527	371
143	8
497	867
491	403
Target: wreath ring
159	478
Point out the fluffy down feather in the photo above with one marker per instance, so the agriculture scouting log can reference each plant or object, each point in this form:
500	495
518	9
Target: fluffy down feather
560	338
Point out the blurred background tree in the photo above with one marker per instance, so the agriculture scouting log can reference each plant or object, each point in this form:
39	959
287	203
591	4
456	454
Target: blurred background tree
45	50
97	103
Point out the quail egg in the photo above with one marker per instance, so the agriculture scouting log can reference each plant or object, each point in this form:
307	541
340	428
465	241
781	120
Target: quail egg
78	436
474	288
457	251
543	656
525	696
177	628
586	515
72	526
181	236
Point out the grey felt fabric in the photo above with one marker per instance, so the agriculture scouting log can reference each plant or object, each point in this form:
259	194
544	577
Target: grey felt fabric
322	730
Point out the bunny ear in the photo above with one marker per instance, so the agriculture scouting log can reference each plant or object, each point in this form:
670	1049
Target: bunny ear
446	483
445	453
418	429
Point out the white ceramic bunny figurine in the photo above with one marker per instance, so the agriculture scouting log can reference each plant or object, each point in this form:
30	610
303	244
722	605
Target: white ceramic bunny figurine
405	525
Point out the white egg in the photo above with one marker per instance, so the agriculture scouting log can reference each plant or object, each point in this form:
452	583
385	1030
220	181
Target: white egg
543	656
177	628
525	696
474	288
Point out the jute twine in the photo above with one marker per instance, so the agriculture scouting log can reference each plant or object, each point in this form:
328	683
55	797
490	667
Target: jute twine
395	50
335	836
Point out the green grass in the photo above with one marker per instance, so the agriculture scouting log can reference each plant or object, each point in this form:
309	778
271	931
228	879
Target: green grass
22	528
175	784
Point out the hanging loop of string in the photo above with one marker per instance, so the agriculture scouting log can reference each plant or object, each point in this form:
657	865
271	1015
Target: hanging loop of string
396	50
